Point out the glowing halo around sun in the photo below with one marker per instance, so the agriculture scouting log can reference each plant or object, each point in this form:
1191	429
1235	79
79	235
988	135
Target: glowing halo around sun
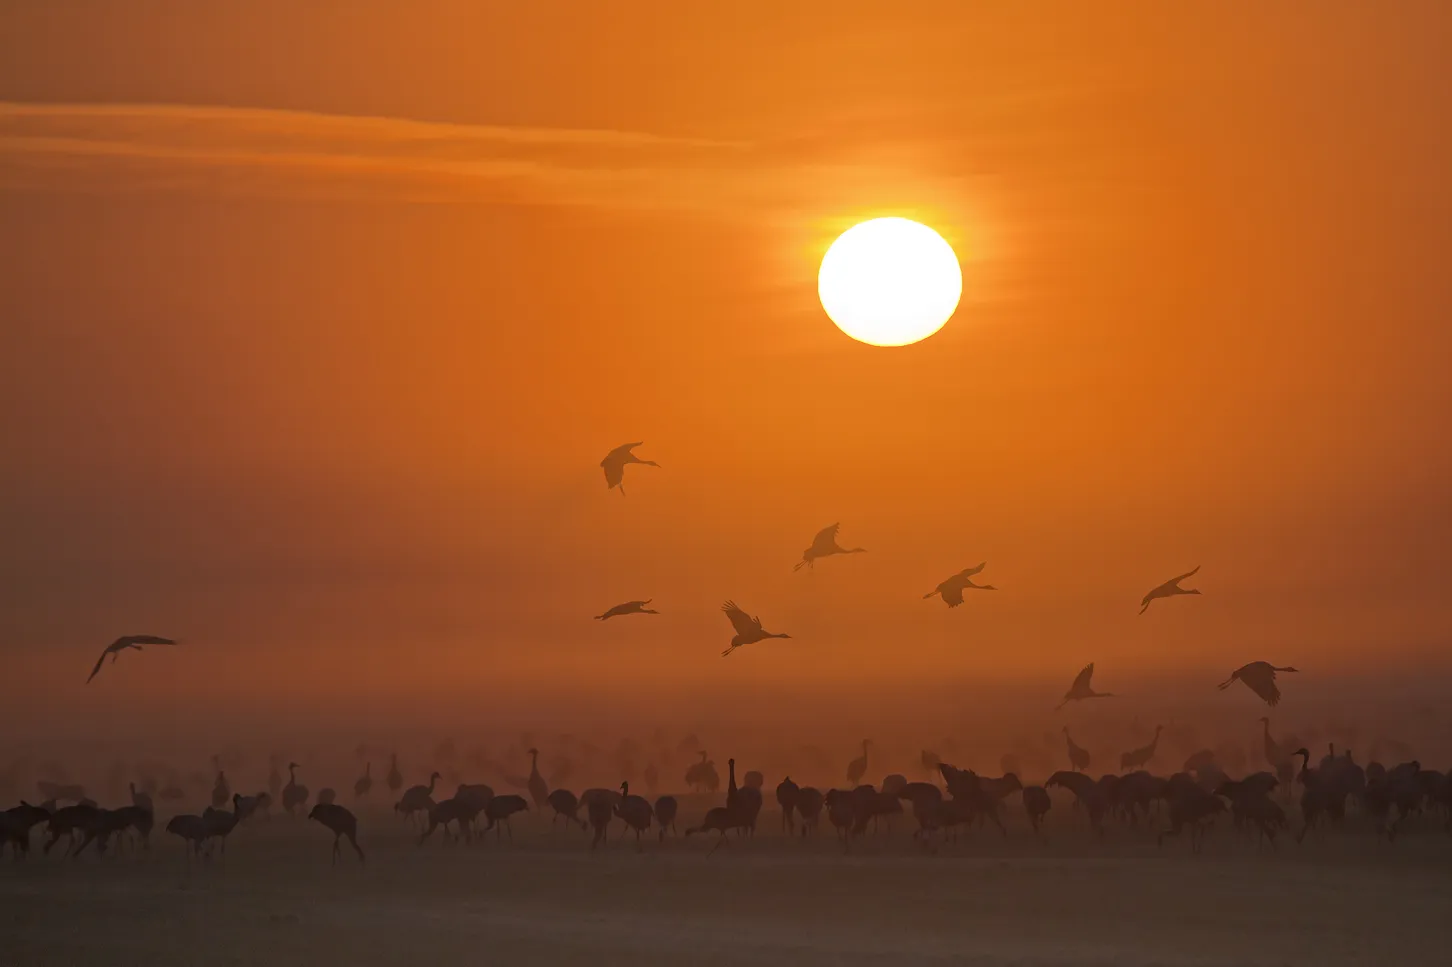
890	282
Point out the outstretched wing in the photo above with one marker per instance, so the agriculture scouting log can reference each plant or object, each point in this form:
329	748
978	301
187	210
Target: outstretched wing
740	620
614	463
826	538
618	455
1082	682
1187	574
952	592
968	572
141	640
1263	683
99	662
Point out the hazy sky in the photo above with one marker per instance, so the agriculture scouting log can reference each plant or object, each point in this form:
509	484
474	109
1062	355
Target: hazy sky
316	319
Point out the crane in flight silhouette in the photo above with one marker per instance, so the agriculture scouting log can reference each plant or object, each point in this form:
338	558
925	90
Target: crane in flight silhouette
115	648
1082	689
748	629
615	461
1259	677
1169	589
952	589
825	545
629	607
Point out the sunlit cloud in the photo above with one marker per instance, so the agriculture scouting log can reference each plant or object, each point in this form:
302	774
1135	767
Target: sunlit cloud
313	155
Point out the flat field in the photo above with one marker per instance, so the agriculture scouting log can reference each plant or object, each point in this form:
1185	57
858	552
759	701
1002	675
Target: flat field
1067	898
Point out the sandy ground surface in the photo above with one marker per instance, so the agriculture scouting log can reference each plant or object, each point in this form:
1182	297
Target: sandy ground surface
545	899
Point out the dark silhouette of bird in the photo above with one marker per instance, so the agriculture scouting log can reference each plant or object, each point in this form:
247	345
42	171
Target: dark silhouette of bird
1036	803
1139	758
294	794
1169	589
952	589
857	768
498	813
748	628
342	822
1081	689
192	829
635	810
1259	677
566	804
786	798
115	648
665	814
614	465
825	545
629	607
539	790
1078	755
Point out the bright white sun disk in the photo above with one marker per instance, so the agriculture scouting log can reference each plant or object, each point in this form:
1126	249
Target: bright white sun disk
890	282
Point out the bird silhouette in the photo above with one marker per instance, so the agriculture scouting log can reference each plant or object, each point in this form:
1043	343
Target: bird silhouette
614	465
1078	755
1169	589
1138	758
1081	689
115	648
629	607
952	589
748	629
825	545
1259	677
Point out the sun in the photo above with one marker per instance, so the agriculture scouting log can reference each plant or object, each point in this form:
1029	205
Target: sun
890	282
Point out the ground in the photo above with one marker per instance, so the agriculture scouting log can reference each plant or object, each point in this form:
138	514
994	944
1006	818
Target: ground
546	899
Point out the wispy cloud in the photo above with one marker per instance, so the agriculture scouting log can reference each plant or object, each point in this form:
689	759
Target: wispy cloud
249	150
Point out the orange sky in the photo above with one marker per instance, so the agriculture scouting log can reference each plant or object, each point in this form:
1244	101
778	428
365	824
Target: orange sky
316	323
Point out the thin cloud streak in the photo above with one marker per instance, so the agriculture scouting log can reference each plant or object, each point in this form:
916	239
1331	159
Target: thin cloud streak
250	150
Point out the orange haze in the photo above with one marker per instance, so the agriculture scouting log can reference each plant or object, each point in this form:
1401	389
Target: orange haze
316	325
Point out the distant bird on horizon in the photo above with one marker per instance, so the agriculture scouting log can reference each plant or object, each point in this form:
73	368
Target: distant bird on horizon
952	589
629	607
825	545
115	648
1169	589
615	461
1081	689
1259	677
748	628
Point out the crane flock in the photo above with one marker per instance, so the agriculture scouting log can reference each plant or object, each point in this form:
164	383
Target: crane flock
954	800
